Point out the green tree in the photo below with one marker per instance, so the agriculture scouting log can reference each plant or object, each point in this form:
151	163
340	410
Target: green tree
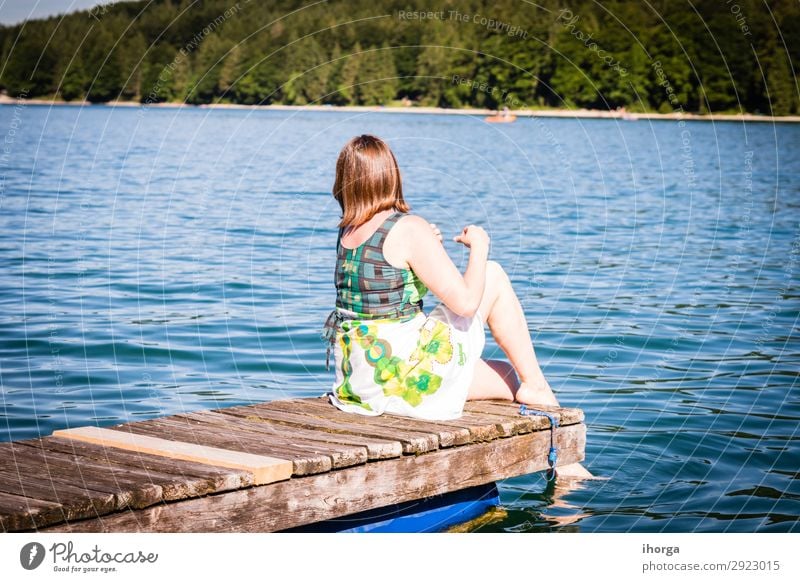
260	83
229	72
378	77
667	68
782	91
332	94
207	67
106	78
350	74
307	72
74	83
31	62
158	82
438	66
132	54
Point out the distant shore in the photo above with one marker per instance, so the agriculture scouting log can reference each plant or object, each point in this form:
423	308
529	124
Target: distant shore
562	113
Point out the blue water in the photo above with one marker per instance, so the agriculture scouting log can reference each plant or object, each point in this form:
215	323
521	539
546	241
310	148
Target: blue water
154	261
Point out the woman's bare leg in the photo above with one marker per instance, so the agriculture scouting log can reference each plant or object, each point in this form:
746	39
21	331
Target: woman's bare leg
501	309
493	380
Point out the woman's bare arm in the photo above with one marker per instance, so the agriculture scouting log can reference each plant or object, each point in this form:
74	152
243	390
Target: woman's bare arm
428	259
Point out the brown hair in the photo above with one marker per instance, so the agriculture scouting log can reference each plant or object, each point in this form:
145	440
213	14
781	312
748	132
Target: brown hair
367	180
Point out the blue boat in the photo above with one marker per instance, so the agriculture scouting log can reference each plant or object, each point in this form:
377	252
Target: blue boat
432	514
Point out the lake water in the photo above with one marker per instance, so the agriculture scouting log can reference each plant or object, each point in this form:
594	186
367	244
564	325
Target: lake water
155	261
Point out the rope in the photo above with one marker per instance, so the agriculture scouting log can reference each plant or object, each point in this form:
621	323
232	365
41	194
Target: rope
332	324
552	456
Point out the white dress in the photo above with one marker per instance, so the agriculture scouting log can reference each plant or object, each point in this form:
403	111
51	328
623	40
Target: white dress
421	367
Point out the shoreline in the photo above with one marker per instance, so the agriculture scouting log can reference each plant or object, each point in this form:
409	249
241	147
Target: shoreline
552	113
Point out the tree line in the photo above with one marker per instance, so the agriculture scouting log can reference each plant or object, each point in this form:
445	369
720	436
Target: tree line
661	55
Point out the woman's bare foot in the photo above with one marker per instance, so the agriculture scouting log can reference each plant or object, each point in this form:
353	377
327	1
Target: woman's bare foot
540	394
535	394
574	471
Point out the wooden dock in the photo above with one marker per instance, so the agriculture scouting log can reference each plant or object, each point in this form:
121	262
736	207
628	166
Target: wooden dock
265	467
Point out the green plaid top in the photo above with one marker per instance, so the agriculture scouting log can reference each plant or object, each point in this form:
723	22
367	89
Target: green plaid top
368	285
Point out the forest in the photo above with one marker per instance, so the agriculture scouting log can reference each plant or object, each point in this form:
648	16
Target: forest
658	56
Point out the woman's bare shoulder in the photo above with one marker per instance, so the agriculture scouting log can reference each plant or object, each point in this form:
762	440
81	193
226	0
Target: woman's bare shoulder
410	233
411	223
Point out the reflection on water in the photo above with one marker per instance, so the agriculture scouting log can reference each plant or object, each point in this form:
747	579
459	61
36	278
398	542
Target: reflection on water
174	260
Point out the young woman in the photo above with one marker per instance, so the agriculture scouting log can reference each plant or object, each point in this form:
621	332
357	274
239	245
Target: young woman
389	355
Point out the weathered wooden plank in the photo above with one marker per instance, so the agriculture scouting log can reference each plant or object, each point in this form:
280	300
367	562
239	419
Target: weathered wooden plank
55	490
197	478
136	486
22	513
510	424
86	481
566	416
110	471
377	448
22	476
481	425
412	442
90	480
318	497
264	469
127	490
77	499
304	461
341	455
492	426
322	408
446	435
97	475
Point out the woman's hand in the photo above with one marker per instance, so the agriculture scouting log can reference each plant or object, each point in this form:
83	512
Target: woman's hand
473	235
437	233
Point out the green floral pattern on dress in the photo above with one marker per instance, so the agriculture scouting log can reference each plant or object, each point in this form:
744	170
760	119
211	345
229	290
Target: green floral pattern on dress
413	383
410	380
434	344
345	390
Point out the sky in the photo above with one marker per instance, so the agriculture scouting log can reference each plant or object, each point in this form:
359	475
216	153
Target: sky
14	11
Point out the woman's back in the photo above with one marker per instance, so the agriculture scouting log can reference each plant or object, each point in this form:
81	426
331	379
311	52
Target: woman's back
368	285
